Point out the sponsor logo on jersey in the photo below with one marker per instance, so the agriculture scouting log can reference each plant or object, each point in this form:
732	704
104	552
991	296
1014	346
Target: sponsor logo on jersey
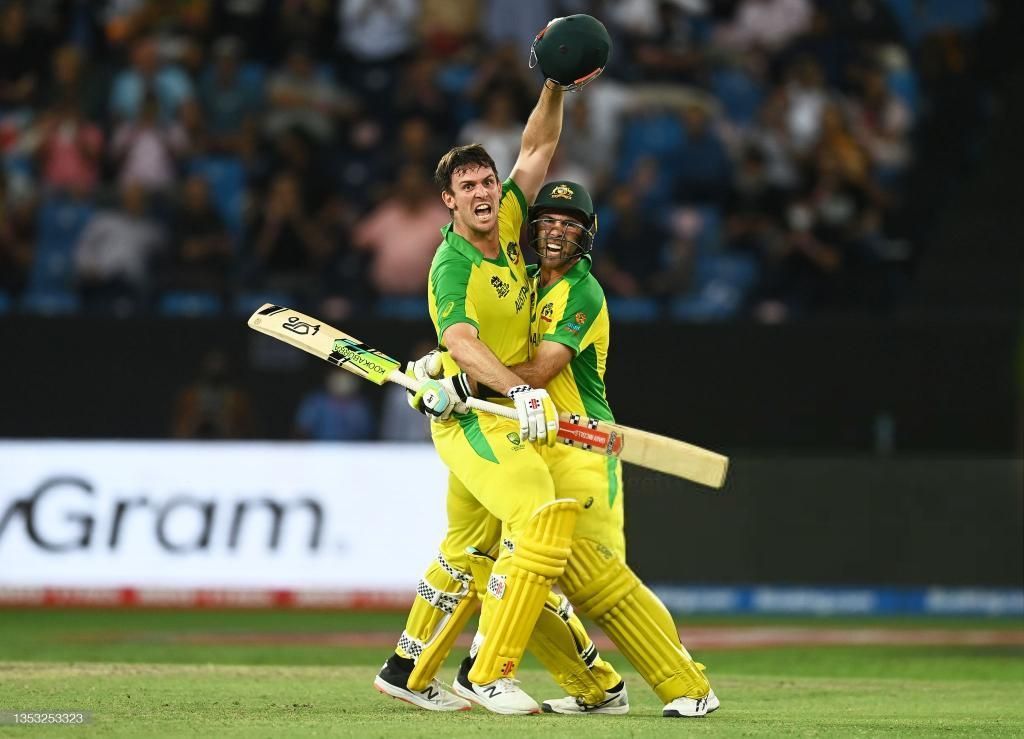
572	328
448	309
521	298
500	286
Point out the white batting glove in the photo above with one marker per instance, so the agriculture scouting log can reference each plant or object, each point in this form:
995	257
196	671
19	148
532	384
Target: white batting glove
427	367
538	417
441	398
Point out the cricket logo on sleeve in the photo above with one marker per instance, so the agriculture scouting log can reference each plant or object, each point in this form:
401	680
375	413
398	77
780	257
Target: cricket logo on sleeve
297	326
580	317
547	311
513	252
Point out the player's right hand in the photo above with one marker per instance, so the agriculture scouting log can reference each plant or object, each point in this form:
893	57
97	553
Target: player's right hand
538	417
441	398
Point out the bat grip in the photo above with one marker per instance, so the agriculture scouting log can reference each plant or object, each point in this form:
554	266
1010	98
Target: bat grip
409	383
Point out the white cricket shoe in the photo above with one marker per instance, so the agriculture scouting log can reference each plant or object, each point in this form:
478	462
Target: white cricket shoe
434	697
691	707
500	696
615	702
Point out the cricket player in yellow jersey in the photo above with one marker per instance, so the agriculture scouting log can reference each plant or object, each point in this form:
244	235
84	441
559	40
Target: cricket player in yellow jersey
480	303
570	339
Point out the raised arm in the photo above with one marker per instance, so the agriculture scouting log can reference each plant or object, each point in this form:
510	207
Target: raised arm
540	139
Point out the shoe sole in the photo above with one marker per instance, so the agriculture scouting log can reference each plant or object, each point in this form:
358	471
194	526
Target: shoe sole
382	687
616	711
472	697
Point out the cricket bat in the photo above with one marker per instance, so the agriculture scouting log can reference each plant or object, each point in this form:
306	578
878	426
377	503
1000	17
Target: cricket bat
641	448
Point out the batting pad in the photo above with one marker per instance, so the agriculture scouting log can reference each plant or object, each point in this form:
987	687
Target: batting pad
520	584
559	641
444	602
602	587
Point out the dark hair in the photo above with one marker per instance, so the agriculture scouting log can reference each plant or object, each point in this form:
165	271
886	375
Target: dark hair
460	158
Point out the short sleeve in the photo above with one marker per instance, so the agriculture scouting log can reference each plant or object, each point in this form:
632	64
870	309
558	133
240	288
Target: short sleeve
514	203
449	283
582	307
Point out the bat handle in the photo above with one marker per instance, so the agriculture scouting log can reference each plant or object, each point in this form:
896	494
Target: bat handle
409	383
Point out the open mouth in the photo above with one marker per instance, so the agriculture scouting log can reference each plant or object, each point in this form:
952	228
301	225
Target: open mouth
482	210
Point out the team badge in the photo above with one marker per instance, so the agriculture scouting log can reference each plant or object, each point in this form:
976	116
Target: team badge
514	438
581	318
562	191
547	311
513	252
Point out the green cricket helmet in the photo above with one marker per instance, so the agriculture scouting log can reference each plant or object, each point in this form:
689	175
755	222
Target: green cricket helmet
572	50
575	238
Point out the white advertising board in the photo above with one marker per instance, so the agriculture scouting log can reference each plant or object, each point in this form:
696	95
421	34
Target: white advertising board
288	516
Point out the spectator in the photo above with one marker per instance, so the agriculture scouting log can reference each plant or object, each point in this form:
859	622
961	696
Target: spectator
148	150
632	245
336	413
74	79
289	245
402	233
497	130
806	97
213	407
766	24
200	254
881	123
17	239
705	169
70	149
114	253
299	97
230	103
756	206
22	55
374	38
147	77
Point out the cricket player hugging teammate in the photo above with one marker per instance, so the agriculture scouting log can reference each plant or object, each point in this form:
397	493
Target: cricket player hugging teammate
524	513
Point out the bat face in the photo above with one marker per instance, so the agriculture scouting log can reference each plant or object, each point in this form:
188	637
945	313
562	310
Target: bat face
325	342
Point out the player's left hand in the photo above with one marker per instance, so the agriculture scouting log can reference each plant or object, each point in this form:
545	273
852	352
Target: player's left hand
441	398
427	367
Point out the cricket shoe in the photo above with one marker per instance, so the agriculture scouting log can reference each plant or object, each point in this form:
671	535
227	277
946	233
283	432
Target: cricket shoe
615	702
500	696
691	707
393	680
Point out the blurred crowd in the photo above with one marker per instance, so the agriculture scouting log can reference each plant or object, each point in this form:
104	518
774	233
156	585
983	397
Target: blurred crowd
749	158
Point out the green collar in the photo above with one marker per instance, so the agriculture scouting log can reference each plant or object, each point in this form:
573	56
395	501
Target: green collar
576	272
466	249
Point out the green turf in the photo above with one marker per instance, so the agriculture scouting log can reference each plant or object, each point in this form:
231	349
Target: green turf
125	668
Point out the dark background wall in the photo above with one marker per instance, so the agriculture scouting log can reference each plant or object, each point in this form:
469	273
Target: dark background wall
934	386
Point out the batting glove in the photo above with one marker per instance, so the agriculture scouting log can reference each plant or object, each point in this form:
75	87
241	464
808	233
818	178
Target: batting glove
538	417
441	398
427	367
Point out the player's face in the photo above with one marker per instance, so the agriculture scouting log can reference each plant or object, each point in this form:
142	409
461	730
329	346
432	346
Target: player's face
558	237
474	198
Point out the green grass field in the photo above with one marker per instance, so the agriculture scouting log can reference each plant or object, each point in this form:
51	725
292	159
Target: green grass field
167	673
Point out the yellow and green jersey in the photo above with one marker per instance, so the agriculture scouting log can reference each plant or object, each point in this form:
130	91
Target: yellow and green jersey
573	311
493	295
